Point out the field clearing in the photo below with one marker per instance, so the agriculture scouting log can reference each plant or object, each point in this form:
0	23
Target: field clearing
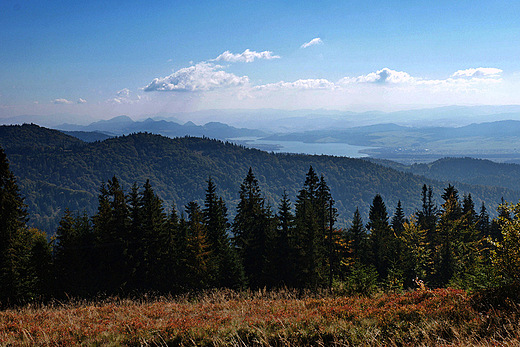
284	318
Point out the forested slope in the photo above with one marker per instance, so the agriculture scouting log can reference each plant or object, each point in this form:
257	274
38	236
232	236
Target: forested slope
471	171
69	173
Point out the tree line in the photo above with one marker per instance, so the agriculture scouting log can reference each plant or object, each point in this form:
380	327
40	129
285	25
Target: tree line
132	245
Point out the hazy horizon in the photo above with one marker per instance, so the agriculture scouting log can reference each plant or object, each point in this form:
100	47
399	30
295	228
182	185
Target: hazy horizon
105	59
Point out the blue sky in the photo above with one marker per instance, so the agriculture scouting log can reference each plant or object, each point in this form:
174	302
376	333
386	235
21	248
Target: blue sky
107	58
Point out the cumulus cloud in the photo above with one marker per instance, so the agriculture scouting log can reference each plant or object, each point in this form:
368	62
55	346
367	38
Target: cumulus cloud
478	72
246	57
382	76
62	102
316	41
200	77
123	93
308	84
81	101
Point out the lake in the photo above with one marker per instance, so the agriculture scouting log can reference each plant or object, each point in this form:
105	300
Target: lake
335	149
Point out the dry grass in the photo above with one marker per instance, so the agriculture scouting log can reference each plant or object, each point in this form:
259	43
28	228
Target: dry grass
226	318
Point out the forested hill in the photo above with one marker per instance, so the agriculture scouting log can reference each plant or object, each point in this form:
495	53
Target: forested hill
471	171
21	137
70	175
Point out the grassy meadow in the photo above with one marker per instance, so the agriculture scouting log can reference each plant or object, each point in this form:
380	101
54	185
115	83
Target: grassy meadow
443	317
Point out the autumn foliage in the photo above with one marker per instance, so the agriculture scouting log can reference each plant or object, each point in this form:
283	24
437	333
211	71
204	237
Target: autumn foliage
262	318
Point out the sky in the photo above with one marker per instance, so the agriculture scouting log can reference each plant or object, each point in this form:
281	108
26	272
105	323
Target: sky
102	59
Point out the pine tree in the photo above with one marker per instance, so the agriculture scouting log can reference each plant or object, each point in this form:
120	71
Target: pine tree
357	238
22	250
199	256
415	254
227	267
398	219
307	232
468	209
449	224
181	252
282	254
251	229
156	240
483	222
427	216
111	233
382	239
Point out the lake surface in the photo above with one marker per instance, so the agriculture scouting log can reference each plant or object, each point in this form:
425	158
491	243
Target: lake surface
336	149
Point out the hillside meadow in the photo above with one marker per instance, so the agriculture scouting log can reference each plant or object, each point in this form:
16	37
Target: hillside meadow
443	317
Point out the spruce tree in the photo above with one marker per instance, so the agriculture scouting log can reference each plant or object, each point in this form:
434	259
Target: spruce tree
251	229
282	253
111	233
448	228
156	240
199	265
382	239
357	238
22	250
398	219
228	271
427	216
483	225
307	232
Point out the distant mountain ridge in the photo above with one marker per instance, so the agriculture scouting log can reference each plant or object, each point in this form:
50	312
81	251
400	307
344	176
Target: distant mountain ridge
499	141
124	125
56	171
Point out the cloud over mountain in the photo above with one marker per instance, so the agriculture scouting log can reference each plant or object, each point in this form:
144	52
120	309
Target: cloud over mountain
199	77
478	72
382	76
316	41
303	84
62	102
246	57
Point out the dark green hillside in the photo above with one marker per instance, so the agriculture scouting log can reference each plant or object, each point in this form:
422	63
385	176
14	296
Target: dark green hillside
34	137
88	136
470	171
53	178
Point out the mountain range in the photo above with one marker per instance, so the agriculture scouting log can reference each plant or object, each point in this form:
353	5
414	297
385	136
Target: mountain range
56	171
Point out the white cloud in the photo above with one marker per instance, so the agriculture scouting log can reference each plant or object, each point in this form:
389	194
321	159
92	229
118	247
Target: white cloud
200	77
382	76
316	41
246	57
62	102
478	72
123	93
308	84
81	101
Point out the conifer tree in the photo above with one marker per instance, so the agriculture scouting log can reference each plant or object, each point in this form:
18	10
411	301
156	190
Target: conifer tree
357	238
251	229
22	250
228	271
449	225
427	216
382	239
468	209
415	253
111	232
181	250
156	239
483	222
200	267
282	254
314	216
307	232
66	263
398	219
